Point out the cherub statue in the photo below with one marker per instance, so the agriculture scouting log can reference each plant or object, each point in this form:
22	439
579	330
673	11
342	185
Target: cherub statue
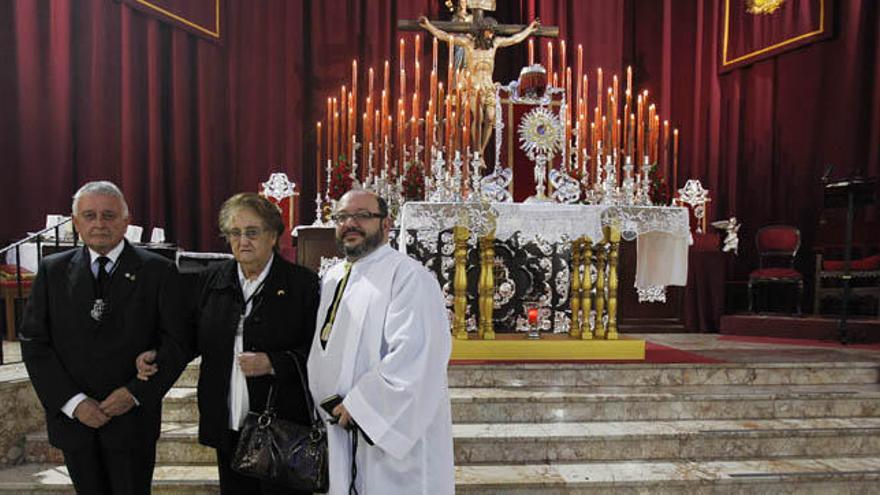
731	240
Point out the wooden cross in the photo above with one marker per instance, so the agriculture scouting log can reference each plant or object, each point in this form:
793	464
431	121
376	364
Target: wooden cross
467	27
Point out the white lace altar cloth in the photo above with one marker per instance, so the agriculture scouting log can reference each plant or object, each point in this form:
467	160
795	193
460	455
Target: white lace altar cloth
662	232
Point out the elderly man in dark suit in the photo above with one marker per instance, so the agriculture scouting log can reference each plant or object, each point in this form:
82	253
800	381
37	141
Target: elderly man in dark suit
91	312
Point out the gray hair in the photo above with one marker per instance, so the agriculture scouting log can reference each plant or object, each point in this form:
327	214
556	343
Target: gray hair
103	187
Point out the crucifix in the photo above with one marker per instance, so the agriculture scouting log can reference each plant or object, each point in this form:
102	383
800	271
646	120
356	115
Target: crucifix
479	37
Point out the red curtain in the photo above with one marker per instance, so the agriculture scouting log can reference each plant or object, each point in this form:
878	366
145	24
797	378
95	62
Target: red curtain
97	90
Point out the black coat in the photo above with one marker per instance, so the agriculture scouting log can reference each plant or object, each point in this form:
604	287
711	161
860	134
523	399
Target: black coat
281	323
67	352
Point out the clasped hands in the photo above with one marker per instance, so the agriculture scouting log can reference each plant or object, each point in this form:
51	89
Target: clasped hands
96	414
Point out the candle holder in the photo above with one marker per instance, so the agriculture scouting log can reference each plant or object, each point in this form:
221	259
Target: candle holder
476	171
319	211
629	185
532	313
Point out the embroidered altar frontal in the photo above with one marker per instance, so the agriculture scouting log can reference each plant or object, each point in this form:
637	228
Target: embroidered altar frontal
545	276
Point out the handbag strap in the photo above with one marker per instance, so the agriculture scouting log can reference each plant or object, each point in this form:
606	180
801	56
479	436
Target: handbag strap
310	403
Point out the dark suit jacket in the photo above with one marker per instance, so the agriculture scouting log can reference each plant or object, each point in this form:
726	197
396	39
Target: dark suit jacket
281	323
67	352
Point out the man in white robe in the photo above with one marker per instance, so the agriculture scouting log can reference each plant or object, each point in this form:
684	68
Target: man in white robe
383	344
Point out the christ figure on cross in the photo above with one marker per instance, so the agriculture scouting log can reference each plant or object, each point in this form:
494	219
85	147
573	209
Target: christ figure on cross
479	57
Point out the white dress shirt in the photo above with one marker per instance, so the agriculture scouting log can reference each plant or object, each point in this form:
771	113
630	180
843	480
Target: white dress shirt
239	403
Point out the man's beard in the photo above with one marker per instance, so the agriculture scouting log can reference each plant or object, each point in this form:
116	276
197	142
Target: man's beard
483	43
367	246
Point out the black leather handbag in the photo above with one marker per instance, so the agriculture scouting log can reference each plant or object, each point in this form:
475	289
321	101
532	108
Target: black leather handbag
281	451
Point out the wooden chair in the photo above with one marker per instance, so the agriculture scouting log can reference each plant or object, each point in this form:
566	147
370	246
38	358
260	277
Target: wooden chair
864	279
779	244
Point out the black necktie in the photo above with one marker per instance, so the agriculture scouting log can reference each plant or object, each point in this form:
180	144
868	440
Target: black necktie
103	276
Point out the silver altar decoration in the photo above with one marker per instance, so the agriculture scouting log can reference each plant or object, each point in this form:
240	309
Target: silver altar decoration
652	294
693	195
319	212
327	264
566	188
278	186
495	186
531	99
540	136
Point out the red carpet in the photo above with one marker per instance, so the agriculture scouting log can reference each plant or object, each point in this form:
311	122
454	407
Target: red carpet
654	354
793	327
803	342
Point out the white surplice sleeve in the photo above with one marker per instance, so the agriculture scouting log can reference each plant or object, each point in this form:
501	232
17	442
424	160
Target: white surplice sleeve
395	402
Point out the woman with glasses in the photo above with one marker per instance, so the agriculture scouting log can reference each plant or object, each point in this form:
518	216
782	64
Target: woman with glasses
253	314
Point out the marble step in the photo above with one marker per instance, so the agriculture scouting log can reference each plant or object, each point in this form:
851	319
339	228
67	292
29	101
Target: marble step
819	476
573	404
665	440
593	441
657	375
634	374
553	404
802	476
178	445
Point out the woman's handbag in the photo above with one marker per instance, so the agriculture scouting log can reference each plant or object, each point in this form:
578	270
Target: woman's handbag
281	451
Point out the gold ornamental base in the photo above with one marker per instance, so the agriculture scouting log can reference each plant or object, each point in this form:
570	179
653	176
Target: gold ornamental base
553	347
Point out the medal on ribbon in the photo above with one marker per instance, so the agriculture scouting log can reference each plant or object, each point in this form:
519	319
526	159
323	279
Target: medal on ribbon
98	309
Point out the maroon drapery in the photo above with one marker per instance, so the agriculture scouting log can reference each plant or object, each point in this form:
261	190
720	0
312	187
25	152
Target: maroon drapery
101	91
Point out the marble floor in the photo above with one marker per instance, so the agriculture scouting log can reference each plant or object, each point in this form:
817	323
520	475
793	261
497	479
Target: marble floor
731	350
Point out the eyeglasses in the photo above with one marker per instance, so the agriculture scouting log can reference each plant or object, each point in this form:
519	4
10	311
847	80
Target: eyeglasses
361	216
251	233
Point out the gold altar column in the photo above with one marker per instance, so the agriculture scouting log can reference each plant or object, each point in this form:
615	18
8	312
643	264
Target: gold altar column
587	289
459	323
600	291
486	288
613	235
575	295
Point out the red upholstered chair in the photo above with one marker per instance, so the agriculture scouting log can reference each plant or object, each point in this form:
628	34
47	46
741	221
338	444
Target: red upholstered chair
777	248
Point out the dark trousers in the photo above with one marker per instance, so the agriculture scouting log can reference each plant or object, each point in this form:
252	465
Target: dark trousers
233	483
95	470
